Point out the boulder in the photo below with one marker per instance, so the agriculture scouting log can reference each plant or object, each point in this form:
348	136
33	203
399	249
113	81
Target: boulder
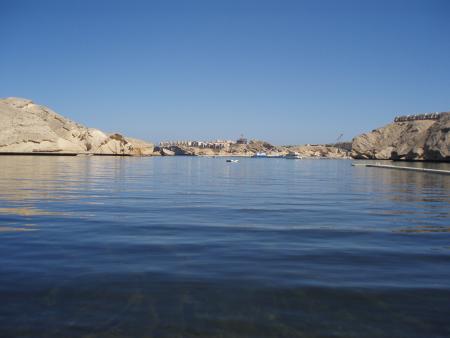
167	152
30	128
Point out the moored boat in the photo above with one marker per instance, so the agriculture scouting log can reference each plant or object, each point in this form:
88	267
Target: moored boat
293	156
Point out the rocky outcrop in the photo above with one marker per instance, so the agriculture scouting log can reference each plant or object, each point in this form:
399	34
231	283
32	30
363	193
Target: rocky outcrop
437	144
253	147
320	151
30	128
167	152
427	140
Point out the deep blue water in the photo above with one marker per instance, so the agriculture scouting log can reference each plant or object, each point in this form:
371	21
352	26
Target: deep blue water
196	247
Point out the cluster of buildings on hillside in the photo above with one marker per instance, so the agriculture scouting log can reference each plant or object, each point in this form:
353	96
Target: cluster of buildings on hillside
217	144
415	117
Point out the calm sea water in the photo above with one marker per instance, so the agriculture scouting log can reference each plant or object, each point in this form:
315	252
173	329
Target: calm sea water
196	247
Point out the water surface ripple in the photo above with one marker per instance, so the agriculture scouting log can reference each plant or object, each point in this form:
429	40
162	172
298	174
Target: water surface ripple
196	247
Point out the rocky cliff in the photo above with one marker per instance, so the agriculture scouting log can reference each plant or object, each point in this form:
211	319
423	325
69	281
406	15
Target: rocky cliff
26	127
422	140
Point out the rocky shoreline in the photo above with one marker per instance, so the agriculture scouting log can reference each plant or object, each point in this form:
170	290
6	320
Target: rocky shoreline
32	129
254	147
29	128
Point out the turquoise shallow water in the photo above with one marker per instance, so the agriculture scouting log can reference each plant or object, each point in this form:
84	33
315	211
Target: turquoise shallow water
196	247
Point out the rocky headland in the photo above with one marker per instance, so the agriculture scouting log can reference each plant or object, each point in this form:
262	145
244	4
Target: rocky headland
417	138
27	127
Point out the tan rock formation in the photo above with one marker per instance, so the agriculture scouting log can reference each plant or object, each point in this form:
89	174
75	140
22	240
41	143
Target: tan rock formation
410	140
30	128
437	145
320	151
167	152
253	147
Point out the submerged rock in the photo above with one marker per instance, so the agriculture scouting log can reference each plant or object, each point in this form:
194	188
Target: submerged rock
406	140
30	128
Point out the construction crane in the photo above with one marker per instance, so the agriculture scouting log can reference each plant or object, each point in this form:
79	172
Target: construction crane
333	144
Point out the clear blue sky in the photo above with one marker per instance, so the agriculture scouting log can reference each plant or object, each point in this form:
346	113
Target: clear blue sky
284	71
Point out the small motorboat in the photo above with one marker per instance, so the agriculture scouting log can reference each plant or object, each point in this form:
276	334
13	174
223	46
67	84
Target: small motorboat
232	161
293	156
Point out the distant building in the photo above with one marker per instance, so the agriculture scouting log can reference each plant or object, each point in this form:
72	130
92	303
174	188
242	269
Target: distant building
415	117
217	144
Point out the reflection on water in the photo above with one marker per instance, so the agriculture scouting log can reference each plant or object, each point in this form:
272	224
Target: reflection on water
11	229
427	229
196	247
26	211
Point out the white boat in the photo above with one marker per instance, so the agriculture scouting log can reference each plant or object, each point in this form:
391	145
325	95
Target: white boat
233	161
293	156
260	155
